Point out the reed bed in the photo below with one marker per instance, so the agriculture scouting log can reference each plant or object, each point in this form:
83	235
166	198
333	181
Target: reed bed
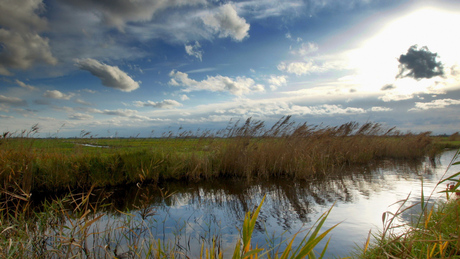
243	150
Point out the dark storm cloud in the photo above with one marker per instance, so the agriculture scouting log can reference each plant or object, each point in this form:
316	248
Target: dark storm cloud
419	63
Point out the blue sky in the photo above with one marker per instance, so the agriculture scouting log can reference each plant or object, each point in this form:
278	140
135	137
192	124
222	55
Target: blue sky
130	67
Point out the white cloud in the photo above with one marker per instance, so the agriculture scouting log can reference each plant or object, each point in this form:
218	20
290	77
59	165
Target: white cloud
380	109
194	50
165	104
302	68
80	116
111	76
22	46
226	22
184	97
237	86
305	49
408	88
277	81
26	86
55	94
436	104
12	101
326	109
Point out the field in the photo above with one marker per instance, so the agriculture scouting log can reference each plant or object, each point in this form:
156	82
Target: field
246	150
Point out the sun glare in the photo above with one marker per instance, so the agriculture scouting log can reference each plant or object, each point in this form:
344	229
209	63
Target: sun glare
376	61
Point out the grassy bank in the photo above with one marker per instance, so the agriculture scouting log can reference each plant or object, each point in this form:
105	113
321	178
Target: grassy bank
245	150
435	235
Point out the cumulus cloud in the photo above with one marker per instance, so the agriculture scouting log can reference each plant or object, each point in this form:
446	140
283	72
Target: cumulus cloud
80	116
165	104
22	46
24	85
419	63
237	86
117	13
380	109
302	68
305	49
436	104
226	22
55	94
277	81
194	50
111	76
12	101
184	97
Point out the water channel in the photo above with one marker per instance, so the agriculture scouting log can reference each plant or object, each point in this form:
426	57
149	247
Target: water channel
188	214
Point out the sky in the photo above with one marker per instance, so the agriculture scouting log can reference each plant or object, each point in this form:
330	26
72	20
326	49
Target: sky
142	67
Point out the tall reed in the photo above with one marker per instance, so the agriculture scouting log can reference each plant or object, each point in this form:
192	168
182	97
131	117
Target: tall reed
249	150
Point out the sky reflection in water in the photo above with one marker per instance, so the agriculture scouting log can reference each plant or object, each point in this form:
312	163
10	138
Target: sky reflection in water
194	212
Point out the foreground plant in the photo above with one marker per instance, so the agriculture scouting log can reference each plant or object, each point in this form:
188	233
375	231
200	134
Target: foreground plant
245	250
434	234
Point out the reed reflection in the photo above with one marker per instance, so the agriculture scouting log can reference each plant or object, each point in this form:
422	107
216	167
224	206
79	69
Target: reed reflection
287	200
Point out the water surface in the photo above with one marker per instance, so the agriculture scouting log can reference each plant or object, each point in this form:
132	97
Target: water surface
188	214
